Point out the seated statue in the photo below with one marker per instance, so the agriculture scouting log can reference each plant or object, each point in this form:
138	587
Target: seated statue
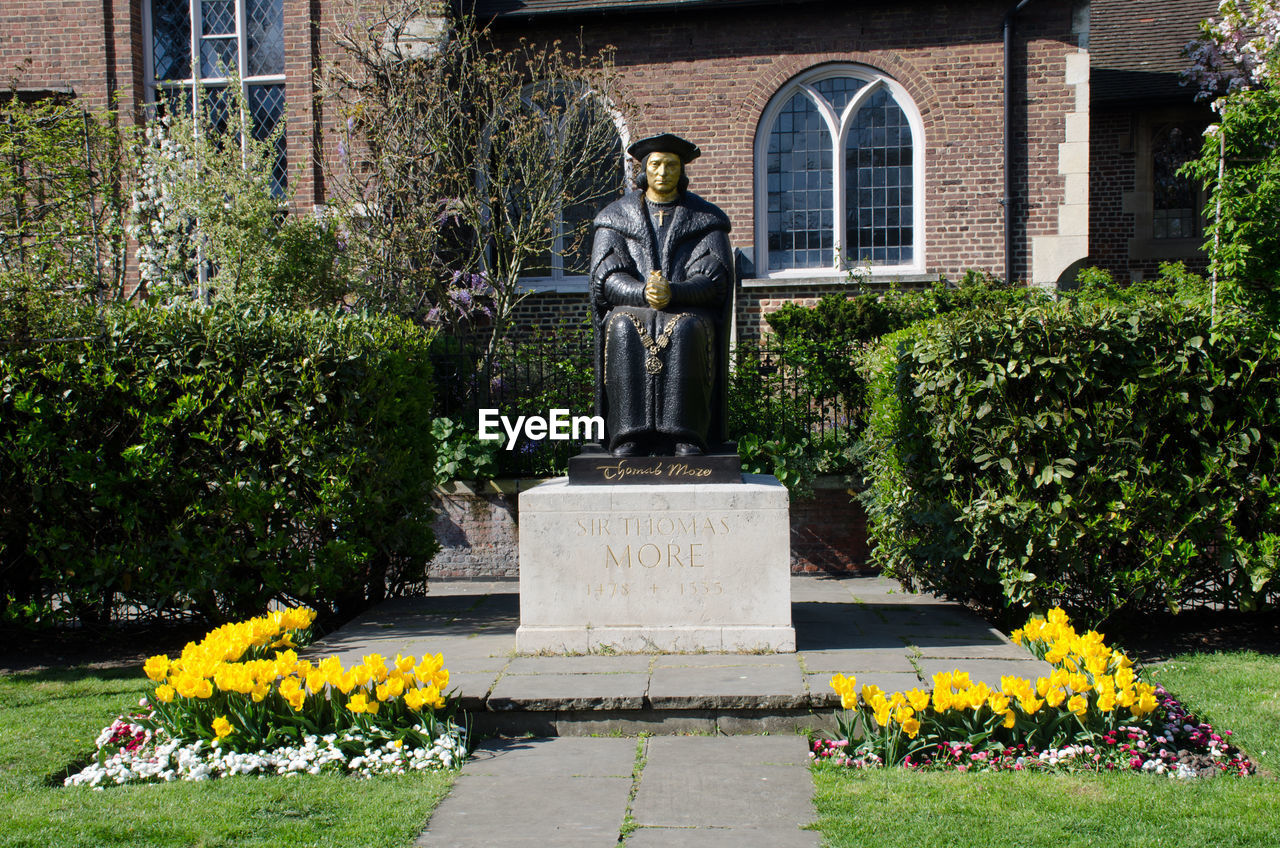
661	291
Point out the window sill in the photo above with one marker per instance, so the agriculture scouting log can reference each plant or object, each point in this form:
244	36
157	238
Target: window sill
549	285
877	279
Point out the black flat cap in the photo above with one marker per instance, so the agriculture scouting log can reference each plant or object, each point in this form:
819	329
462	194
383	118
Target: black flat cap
664	143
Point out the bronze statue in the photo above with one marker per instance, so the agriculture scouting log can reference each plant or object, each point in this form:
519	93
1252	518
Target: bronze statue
661	290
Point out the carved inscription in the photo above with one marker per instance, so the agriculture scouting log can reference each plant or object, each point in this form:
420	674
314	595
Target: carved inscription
682	589
655	542
613	471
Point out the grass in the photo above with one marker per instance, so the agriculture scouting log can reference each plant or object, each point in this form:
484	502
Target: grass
1239	691
50	719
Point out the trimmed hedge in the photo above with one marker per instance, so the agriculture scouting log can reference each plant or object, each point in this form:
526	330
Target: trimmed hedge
216	458
1104	455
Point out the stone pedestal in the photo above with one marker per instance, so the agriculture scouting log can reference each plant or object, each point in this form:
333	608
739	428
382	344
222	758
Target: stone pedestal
632	568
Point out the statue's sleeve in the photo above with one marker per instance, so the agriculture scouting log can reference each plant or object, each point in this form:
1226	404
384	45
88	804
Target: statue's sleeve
706	273
613	272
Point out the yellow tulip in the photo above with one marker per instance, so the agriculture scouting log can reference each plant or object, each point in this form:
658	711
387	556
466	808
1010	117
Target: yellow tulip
414	699
911	727
1146	703
1078	704
157	668
918	699
222	727
393	688
164	693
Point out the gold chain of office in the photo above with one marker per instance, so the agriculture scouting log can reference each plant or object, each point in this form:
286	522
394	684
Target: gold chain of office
654	347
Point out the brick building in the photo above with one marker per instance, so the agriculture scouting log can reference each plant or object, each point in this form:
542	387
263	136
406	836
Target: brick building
941	171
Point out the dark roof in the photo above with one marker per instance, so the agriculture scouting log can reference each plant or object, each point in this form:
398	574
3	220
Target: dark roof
542	8
1135	48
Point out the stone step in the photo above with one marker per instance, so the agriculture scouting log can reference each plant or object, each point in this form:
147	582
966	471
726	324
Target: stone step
861	626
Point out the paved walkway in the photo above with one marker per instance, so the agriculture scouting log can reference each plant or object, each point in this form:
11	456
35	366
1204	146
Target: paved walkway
588	777
657	792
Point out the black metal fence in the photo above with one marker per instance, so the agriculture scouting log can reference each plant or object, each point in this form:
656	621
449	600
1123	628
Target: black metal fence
773	405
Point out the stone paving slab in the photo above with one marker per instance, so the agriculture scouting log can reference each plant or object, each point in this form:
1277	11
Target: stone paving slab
561	757
845	660
758	787
569	692
728	687
593	664
543	793
965	649
517	812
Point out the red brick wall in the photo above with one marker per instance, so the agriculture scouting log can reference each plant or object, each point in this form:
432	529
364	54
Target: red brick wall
1111	174
1113	166
91	47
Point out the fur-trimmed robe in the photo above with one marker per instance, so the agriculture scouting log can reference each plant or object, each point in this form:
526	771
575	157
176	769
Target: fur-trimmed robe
683	400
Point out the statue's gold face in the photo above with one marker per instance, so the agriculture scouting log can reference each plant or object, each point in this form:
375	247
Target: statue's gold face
663	172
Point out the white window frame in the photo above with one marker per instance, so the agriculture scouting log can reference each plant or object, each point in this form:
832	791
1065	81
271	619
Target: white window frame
558	280
838	125
152	86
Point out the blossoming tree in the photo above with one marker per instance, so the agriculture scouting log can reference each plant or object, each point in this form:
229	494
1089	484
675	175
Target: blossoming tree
1236	63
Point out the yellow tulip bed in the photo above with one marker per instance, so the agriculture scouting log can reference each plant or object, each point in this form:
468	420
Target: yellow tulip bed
241	701
1092	712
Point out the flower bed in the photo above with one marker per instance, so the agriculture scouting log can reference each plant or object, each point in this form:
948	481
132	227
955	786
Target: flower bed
240	701
1091	713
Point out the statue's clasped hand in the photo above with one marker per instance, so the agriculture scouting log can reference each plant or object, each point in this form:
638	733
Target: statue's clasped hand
657	291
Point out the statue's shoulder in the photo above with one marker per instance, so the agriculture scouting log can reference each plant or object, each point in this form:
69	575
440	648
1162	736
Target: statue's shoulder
626	214
705	215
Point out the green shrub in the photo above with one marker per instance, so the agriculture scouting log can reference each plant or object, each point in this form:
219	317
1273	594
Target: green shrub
216	458
1102	453
798	408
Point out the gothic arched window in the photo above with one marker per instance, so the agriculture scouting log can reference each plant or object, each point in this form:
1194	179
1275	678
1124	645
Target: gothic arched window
818	212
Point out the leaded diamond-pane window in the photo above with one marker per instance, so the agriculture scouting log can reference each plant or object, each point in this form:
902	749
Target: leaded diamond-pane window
873	185
229	37
266	106
218	17
265	19
171	39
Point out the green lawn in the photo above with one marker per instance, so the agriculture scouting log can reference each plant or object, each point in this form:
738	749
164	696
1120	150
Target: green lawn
49	719
1239	691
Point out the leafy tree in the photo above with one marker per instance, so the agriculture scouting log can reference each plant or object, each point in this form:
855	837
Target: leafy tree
1237	63
61	211
459	160
205	195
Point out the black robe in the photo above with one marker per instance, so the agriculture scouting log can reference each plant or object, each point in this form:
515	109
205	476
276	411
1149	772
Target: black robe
661	375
